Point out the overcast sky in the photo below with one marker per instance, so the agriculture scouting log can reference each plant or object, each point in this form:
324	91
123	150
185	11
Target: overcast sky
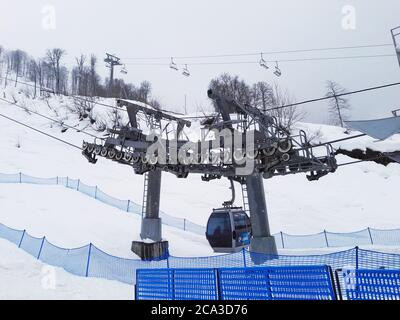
161	28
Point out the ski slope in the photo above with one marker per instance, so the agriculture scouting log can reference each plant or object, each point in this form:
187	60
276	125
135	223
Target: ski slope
355	197
22	277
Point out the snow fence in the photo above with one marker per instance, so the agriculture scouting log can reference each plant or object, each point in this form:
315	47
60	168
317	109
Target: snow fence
90	261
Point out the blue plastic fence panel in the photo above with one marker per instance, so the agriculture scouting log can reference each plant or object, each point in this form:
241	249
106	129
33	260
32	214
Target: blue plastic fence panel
153	284
373	285
176	284
11	235
277	283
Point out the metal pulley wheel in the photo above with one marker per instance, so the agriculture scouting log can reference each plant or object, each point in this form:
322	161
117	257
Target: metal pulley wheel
285	145
111	153
104	152
119	156
97	150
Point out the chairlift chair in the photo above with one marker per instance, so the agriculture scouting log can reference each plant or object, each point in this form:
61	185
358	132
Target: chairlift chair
278	71
123	70
186	71
173	65
263	63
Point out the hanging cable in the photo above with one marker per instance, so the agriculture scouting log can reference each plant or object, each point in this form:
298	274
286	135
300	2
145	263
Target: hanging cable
265	52
41	132
359	161
51	119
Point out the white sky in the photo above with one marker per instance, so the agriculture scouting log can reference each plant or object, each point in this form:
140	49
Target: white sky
154	28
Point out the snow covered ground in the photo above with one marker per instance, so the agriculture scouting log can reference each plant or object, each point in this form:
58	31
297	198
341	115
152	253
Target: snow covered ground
355	197
22	277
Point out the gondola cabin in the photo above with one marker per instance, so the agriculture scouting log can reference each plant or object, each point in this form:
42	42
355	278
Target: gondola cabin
228	230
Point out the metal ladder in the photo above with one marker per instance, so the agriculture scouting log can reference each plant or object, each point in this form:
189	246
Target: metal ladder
145	187
246	206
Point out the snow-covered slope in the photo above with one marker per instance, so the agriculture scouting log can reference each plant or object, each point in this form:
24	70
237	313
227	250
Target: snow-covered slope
24	277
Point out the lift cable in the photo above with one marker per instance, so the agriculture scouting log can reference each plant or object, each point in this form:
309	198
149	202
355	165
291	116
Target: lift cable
335	96
51	119
359	161
265	52
269	61
41	132
318	99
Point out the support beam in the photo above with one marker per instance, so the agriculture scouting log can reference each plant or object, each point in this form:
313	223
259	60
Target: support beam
262	241
151	228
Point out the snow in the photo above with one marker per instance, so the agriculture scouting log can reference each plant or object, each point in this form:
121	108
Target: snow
22	277
355	197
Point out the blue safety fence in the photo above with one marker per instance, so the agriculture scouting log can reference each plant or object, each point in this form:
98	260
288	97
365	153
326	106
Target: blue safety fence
90	261
369	284
324	239
265	283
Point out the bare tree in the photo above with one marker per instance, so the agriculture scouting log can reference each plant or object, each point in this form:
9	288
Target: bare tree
262	96
288	116
338	106
54	57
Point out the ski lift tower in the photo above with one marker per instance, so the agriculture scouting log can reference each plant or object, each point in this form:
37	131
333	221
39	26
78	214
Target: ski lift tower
396	41
111	61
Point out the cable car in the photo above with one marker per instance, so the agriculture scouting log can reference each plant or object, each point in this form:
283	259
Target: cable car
228	230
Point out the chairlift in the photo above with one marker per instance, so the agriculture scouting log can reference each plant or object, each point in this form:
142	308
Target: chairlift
228	230
173	65
263	63
278	71
186	71
124	70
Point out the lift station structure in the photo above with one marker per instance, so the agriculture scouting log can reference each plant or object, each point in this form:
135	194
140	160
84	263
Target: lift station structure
239	142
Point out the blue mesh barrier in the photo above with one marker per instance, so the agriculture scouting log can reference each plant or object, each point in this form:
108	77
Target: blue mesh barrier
117	203
364	284
300	242
349	239
31	244
277	283
87	190
33	180
9	178
74	261
176	284
385	237
93	262
103	265
11	235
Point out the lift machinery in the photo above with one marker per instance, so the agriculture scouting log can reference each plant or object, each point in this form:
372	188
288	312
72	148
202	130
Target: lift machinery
271	151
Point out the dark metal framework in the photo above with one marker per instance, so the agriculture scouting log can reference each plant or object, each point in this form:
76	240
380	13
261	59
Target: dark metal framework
272	150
